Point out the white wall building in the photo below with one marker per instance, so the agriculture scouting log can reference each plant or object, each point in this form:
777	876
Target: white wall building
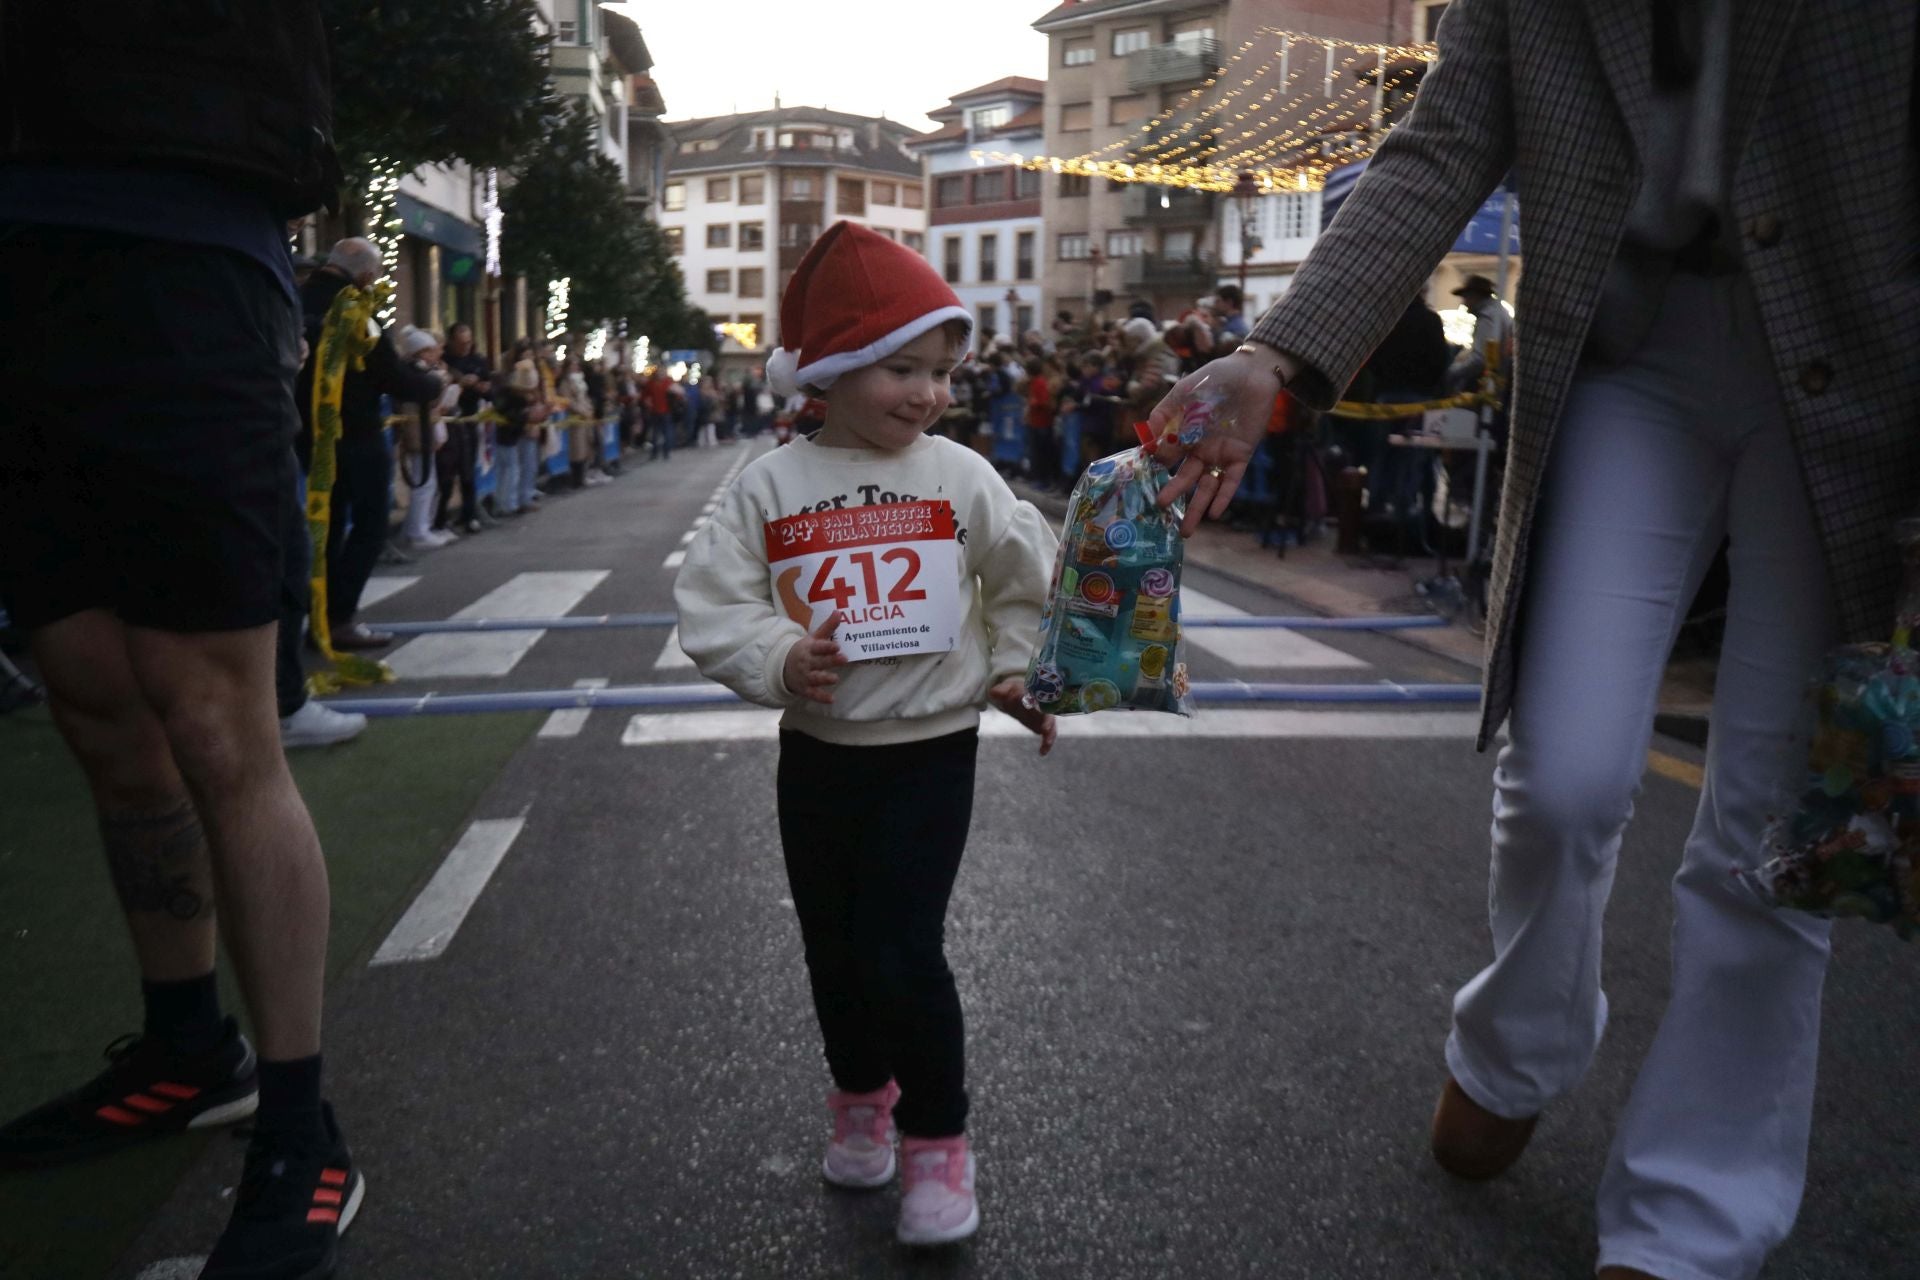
984	232
746	195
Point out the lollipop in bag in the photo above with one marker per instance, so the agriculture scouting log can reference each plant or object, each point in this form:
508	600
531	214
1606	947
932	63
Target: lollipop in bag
1110	633
1851	845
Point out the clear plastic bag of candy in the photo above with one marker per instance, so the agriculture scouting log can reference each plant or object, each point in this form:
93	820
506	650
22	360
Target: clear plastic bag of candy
1850	847
1110	633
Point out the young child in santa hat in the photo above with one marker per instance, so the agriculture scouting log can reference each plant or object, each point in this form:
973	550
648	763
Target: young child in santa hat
876	770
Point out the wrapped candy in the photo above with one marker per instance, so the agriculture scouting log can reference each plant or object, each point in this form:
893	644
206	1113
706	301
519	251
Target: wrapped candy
1110	632
1851	845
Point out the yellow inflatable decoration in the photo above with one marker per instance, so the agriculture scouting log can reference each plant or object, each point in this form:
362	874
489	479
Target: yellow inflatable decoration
346	335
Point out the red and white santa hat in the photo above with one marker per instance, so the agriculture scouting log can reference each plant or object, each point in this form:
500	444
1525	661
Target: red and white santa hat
856	298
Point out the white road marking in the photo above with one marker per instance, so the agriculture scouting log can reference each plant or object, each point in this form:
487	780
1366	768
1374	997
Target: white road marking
568	722
1260	650
384	588
675	560
173	1269
672	656
496	653
435	916
690	534
761	725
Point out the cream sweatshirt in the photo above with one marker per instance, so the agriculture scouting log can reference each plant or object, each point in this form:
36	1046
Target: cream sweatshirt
733	629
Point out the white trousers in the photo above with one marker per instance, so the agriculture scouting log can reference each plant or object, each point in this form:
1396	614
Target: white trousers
1654	463
420	505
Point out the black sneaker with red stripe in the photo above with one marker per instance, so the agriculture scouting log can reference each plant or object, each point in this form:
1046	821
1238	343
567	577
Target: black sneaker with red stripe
149	1090
298	1195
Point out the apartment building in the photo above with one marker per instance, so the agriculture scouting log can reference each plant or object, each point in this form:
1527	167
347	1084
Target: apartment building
1113	67
744	196
984	231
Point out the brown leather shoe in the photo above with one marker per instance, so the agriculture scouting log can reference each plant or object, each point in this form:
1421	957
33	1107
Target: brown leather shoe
1624	1273
1470	1141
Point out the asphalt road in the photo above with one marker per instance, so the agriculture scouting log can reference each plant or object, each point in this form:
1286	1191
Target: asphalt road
1207	982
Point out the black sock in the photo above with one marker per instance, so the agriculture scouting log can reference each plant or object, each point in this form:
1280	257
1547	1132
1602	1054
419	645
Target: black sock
185	1014
290	1095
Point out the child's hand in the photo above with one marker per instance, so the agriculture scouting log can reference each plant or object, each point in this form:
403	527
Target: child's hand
811	663
1010	695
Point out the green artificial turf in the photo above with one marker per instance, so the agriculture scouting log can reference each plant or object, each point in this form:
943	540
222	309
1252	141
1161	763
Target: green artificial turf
387	806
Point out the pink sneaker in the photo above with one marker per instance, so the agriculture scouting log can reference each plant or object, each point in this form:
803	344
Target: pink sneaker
939	1206
861	1153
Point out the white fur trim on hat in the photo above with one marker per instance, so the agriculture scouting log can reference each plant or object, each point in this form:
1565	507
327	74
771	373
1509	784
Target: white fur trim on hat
822	372
781	366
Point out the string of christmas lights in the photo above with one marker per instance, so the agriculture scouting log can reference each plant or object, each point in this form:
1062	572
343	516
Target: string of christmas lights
384	227
1339	120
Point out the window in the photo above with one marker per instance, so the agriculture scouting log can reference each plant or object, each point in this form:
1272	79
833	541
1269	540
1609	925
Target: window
952	251
1115	186
1177	244
753	188
851	195
990	186
1023	256
673	198
989	321
1026	184
719	236
1132	40
981	119
1072	184
567	33
676	239
989	258
1074	248
884	193
914	240
888	232
912	195
798	186
719	282
1076	115
759	323
950	191
719	190
1426	23
798	235
1193	38
1077	53
753	282
1126	108
753	236
1123	244
1023	318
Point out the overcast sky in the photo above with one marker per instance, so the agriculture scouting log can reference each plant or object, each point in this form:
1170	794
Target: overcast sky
898	58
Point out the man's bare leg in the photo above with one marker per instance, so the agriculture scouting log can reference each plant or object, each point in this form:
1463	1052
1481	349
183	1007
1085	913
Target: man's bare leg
212	694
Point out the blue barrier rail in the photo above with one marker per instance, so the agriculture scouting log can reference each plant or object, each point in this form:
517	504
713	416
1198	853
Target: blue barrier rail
664	620
1220	693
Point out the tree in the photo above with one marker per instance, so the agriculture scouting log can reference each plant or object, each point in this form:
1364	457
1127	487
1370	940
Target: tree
566	216
432	83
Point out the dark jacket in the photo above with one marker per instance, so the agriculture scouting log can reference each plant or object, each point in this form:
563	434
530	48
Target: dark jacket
241	92
385	373
476	364
1412	359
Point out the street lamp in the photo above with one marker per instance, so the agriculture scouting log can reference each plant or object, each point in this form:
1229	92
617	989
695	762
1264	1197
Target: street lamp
1013	315
1246	190
1095	256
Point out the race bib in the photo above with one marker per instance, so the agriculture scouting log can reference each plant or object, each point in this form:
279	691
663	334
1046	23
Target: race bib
891	572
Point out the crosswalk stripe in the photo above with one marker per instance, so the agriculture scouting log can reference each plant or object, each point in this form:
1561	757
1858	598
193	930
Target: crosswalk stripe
689	535
384	588
569	721
675	560
672	656
1256	649
496	653
436	915
761	725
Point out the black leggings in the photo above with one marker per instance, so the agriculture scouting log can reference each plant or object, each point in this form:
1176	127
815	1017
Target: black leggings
457	460
873	838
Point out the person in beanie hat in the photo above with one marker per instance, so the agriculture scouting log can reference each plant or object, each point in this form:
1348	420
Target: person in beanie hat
882	586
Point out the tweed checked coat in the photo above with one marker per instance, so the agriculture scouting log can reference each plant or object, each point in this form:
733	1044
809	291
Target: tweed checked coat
1821	121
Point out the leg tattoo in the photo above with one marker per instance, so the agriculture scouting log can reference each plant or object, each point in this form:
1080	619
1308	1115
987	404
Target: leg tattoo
159	861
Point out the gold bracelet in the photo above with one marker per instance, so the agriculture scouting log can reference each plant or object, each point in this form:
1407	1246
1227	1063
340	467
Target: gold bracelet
1279	370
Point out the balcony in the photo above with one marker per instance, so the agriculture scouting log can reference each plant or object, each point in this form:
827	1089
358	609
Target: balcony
1144	205
1150	271
1179	62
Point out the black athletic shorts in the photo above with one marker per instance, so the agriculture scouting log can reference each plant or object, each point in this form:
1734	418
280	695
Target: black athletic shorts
146	425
